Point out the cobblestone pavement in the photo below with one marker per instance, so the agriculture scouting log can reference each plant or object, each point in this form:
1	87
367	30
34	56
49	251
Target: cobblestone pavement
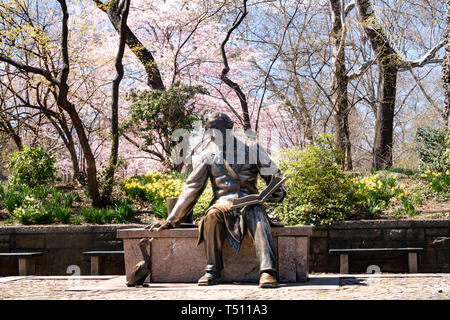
354	287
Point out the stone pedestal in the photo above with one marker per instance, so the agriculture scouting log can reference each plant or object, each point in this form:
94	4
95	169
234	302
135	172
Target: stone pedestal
176	258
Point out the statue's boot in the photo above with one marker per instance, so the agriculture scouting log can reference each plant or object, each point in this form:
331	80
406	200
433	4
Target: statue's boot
267	280
208	279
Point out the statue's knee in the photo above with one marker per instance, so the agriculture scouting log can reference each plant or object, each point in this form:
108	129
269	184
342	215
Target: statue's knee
214	215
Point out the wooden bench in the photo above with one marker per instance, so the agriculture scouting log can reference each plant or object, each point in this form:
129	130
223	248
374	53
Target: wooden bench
412	256
26	261
98	259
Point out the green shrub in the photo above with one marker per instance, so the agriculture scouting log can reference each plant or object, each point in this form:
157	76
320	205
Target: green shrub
32	212
377	192
158	114
432	146
13	197
124	211
374	193
2	195
59	205
108	215
31	167
26	215
63	214
93	215
318	191
76	219
407	204
59	211
12	200
42	192
68	199
38	205
154	188
438	181
159	209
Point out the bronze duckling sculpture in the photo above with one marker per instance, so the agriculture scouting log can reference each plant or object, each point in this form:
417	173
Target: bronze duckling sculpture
142	269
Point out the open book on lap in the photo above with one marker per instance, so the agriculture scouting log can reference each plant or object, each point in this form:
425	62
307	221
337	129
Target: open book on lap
274	184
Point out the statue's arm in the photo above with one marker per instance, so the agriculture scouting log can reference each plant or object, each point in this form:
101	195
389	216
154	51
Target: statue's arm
193	188
268	169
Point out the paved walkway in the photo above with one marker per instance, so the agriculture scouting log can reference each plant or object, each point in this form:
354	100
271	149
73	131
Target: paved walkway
323	286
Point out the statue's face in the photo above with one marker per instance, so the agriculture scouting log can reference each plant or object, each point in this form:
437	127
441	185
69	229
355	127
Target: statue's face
219	123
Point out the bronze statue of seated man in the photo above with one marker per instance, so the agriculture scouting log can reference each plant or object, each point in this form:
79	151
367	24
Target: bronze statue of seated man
230	178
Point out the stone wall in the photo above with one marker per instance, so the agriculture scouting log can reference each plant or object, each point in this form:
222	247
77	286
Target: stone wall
432	235
63	246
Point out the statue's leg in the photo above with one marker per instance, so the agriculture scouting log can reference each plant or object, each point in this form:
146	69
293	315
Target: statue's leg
259	229
213	232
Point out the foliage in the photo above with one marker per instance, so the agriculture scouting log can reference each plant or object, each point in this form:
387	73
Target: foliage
437	181
96	215
38	205
432	145
203	203
32	212
155	188
374	193
407	204
318	191
31	166
12	198
406	172
60	205
159	113
121	212
184	43
124	211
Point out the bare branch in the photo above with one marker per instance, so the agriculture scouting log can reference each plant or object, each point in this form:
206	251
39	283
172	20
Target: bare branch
31	69
427	58
226	69
349	8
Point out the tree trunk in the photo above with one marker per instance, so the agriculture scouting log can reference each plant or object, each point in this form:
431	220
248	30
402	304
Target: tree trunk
70	145
446	68
387	61
340	85
91	168
65	104
60	125
384	125
114	156
12	133
154	78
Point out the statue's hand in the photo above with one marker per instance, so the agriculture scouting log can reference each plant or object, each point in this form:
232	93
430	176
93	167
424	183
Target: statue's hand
158	226
278	195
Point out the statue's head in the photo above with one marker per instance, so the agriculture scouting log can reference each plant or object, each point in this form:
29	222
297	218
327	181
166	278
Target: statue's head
221	122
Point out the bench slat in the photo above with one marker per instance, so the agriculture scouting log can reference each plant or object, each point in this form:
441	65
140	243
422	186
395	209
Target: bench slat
103	253
374	250
19	254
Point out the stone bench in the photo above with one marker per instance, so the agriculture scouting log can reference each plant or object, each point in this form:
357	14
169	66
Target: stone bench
26	261
344	266
176	258
98	259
